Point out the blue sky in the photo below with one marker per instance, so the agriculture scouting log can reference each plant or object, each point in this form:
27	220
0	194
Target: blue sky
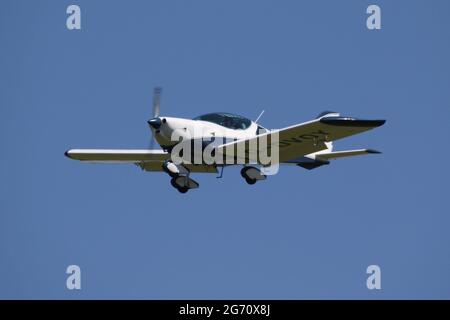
300	234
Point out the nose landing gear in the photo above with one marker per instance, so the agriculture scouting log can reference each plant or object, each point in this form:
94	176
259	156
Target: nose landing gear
180	177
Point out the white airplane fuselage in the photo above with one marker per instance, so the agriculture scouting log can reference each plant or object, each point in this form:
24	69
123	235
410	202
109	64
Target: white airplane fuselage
171	129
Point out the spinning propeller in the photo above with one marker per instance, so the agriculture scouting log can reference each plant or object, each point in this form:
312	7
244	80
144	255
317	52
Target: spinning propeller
155	122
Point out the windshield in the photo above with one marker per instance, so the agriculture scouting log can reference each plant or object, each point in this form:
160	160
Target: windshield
227	120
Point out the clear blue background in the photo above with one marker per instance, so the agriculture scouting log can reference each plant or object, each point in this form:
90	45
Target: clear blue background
300	234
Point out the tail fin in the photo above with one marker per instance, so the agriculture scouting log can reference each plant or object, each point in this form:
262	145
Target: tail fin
328	114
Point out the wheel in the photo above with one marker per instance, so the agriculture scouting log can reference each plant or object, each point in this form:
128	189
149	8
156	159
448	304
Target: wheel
173	183
176	186
182	190
250	180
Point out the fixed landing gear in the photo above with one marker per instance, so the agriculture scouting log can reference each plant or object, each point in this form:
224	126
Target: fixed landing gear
252	174
180	177
183	183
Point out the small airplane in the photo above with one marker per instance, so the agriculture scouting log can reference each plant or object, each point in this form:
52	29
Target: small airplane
308	145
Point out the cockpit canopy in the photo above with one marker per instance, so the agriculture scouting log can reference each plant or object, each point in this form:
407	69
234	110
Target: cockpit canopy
227	120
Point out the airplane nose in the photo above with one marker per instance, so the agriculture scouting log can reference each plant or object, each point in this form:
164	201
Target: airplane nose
155	123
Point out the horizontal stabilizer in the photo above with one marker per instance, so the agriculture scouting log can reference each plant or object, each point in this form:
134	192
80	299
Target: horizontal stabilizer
312	164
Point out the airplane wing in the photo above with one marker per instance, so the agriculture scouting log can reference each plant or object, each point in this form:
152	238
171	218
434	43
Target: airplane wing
342	154
117	155
308	137
148	160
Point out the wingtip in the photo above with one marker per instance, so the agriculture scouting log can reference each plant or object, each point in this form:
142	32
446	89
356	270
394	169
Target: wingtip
352	122
381	122
373	151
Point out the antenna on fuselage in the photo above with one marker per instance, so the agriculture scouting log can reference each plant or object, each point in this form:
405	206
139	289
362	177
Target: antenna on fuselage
260	115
